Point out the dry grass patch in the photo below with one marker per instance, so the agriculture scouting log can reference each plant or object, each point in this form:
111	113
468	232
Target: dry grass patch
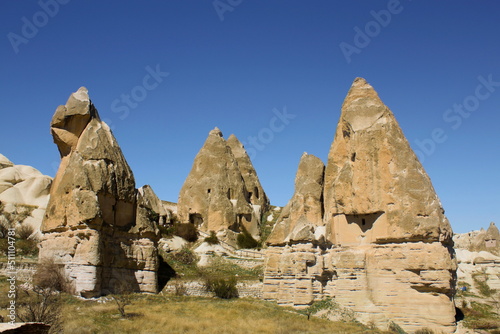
160	314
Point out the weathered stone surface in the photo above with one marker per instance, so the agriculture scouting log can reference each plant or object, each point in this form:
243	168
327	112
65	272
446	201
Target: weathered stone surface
256	194
214	196
24	193
373	172
304	212
155	206
381	245
482	240
477	256
481	265
96	222
4	162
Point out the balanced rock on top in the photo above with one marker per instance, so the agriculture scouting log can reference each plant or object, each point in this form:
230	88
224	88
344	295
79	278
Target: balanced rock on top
94	223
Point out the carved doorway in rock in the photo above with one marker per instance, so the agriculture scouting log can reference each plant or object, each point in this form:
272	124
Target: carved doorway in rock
359	228
196	219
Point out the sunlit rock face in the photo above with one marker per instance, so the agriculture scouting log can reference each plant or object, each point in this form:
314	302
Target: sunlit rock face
222	193
24	193
96	223
370	231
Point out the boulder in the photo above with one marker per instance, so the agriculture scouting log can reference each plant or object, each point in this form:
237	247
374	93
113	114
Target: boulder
24	193
4	162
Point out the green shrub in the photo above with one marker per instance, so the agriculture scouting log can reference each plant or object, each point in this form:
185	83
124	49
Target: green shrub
482	285
26	247
395	328
212	239
245	240
153	216
4	246
225	289
186	231
184	256
166	232
424	331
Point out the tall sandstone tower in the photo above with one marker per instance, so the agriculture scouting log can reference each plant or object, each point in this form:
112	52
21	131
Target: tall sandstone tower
368	229
96	223
222	192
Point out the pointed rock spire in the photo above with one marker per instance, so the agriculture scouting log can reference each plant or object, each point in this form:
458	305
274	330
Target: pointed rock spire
256	193
214	195
373	171
94	193
304	212
383	236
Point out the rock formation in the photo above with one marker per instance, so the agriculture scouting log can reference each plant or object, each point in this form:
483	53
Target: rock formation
24	193
216	195
477	256
97	224
302	217
371	233
256	194
477	241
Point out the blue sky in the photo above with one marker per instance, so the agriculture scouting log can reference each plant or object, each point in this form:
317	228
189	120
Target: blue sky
237	64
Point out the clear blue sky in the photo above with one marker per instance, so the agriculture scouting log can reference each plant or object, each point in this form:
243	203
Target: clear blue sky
232	66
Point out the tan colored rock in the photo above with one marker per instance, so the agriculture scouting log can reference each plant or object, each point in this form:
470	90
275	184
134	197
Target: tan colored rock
482	240
481	265
304	212
256	194
4	162
477	256
214	196
373	174
157	206
24	193
387	253
97	224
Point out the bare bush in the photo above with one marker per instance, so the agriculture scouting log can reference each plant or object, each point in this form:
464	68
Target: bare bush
122	297
24	231
42	302
3	230
53	276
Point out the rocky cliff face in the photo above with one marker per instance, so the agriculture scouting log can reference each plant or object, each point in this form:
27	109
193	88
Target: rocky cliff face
256	194
219	193
477	256
301	219
482	240
24	193
97	224
371	233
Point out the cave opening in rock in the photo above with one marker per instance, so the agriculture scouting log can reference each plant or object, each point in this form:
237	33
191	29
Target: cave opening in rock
364	221
196	219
